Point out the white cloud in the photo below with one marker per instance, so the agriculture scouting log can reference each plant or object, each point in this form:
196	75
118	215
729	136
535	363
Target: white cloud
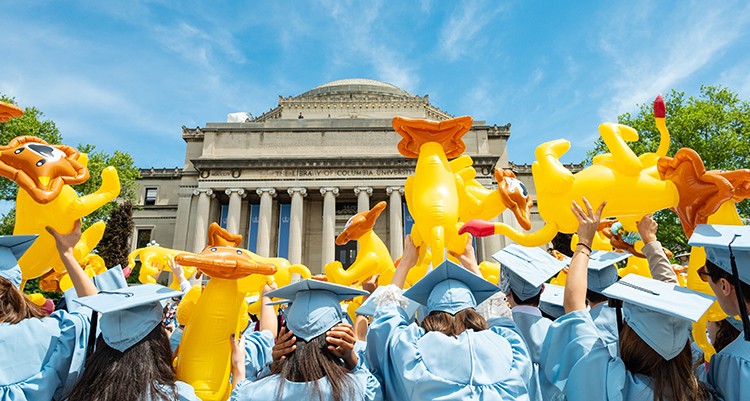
460	33
685	44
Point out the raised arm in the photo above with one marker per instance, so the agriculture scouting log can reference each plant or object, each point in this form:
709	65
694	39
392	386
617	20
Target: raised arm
268	320
577	280
658	262
65	243
408	260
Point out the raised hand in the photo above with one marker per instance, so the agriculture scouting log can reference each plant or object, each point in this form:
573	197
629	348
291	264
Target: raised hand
285	344
341	339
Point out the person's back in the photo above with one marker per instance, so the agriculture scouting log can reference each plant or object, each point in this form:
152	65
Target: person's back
455	354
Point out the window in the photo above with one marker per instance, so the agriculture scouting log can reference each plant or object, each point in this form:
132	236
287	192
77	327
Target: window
143	237
150	198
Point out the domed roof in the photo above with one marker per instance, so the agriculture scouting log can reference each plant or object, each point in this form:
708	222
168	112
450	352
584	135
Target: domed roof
355	85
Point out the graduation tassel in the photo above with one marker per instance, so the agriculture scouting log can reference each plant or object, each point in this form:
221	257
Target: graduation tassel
617	304
92	337
738	291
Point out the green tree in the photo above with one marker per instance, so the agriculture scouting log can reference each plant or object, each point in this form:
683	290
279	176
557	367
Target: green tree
126	170
716	124
115	243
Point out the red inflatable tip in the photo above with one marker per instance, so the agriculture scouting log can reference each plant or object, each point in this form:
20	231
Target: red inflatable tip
660	109
126	272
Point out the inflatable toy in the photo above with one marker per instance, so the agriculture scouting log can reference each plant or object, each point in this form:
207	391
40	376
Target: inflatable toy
155	259
627	182
373	257
205	351
477	202
44	174
252	285
431	192
8	111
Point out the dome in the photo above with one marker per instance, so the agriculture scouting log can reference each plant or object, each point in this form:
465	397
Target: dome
355	85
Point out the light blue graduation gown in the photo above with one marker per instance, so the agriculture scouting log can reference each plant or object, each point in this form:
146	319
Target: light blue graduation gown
175	338
366	387
578	362
185	392
415	365
42	358
729	370
258	348
605	320
533	330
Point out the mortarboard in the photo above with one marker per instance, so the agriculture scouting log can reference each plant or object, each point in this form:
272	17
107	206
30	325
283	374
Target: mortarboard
315	306
524	269
129	314
602	270
369	307
551	300
728	247
12	247
450	288
660	313
112	279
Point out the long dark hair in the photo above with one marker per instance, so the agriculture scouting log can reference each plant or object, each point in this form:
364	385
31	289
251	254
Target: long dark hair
143	370
672	379
451	325
310	362
14	305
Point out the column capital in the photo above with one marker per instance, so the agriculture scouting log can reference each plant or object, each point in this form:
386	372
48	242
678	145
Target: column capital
292	191
239	191
357	190
206	191
270	191
333	190
390	190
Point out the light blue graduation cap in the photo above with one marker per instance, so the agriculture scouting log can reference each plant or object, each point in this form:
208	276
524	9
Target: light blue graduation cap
110	280
602	270
450	288
369	307
728	247
129	314
12	247
551	300
524	269
315	306
660	313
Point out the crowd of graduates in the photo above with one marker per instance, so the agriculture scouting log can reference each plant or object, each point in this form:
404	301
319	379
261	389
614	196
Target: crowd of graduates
451	336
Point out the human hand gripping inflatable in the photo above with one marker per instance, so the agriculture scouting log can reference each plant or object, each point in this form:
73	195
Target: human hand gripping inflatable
44	174
205	353
155	259
431	192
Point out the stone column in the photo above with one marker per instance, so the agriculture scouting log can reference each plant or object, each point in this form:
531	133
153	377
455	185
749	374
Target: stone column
263	246
201	218
329	224
396	223
363	198
295	225
233	215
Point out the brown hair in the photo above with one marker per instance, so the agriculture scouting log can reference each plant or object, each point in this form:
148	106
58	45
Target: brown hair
143	370
672	379
451	325
725	335
311	361
14	305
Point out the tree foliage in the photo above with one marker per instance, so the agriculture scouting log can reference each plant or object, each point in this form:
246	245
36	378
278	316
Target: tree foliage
716	124
115	243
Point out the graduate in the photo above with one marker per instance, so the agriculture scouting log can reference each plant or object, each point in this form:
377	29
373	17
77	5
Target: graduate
655	361
454	354
551	301
523	272
727	271
314	358
40	357
132	359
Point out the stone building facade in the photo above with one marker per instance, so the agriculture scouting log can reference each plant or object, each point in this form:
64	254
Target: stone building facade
289	179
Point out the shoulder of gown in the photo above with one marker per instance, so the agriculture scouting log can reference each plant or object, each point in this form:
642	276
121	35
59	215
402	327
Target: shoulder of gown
729	371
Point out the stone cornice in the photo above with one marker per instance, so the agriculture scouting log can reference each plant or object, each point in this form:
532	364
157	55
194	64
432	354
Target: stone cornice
163	172
526	168
384	162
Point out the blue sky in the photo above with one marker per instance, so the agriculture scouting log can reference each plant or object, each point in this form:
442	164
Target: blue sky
127	75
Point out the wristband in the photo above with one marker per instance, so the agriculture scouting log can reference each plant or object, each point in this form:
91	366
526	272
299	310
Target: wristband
585	246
